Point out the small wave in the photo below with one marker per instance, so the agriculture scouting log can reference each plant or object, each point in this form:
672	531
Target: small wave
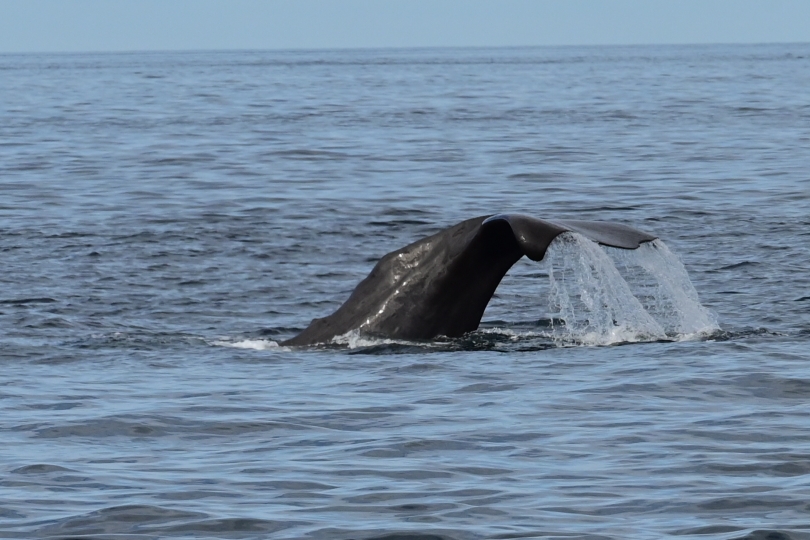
135	519
736	265
41	468
743	333
134	338
309	154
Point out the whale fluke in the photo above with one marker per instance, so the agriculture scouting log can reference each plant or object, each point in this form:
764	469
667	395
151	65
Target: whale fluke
441	285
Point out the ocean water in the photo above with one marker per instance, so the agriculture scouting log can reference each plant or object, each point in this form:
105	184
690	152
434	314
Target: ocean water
167	218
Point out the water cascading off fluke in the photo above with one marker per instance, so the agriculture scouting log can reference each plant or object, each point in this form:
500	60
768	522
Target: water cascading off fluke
650	298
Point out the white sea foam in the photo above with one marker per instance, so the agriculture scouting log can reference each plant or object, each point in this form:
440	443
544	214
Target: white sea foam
255	344
652	298
353	339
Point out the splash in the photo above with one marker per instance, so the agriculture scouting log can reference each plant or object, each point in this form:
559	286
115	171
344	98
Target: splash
596	304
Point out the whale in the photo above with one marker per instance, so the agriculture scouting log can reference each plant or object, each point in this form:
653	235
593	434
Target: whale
441	285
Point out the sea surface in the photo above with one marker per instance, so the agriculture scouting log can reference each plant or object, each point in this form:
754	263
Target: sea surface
167	219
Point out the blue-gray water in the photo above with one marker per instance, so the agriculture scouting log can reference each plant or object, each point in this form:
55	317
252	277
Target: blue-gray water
160	211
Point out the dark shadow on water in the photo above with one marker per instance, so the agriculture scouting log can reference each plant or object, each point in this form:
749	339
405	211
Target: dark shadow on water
148	521
391	348
342	534
496	336
767	534
736	334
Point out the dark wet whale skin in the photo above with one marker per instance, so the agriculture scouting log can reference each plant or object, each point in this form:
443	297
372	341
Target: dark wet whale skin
441	284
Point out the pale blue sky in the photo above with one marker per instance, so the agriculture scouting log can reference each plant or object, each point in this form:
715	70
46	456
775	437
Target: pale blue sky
125	25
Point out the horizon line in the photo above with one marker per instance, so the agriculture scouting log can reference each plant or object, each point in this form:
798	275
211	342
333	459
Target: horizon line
405	48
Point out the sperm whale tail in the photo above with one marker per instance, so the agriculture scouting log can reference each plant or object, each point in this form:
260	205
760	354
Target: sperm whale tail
441	285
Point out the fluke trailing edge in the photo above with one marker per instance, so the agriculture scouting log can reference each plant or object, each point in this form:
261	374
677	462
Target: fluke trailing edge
441	285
